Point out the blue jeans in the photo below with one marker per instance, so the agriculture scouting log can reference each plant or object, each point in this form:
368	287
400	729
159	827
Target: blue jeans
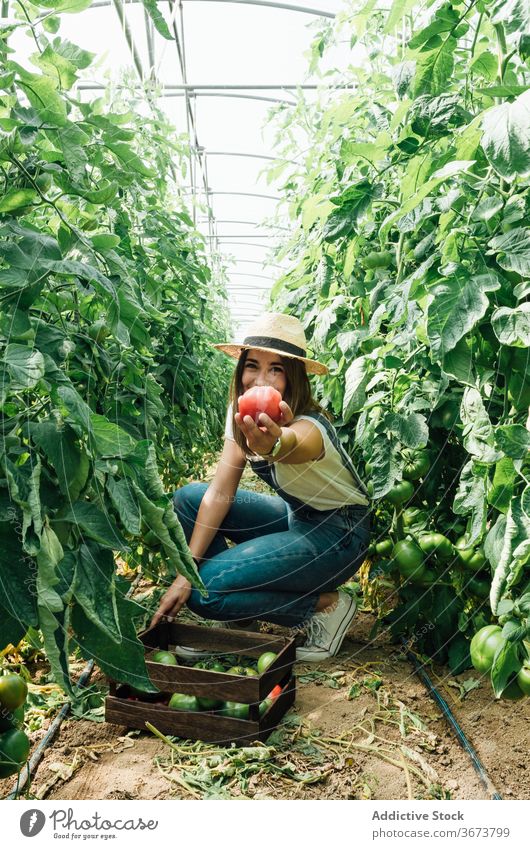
282	561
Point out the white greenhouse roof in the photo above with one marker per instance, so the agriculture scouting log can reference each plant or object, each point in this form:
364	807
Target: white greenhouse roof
233	60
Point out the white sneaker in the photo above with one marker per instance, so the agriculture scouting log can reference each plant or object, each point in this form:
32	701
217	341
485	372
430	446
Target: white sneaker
326	631
197	654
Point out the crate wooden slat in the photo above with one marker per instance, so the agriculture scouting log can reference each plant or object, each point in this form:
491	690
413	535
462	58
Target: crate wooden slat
209	725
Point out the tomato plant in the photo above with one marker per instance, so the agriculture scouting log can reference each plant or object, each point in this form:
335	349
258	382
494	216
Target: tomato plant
415	198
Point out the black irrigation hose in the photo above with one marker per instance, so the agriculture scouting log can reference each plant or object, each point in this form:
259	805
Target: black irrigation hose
30	768
453	722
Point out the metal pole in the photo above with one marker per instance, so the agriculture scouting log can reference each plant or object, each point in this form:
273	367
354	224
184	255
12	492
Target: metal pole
128	37
320	13
150	44
168	91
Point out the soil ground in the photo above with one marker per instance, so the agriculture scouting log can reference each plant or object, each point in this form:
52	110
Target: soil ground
363	727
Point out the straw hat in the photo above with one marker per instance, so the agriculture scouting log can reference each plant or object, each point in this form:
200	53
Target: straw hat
279	334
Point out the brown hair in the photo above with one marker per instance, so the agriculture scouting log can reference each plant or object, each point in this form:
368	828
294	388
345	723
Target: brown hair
297	392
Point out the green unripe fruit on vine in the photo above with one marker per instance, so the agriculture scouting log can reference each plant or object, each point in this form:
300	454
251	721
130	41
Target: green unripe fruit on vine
44	182
400	493
98	331
377	259
409	559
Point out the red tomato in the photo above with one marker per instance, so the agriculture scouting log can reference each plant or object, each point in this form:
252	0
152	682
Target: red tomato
275	692
261	399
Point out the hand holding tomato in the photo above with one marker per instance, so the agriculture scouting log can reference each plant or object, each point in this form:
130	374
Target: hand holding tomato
262	435
260	399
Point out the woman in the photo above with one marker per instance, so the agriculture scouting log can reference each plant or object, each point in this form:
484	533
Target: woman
294	549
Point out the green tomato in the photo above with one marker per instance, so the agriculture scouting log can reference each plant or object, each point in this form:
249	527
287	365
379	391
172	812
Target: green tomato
164	657
211	665
409	559
428	578
417	465
265	660
14	751
264	706
237	670
401	492
384	548
250	671
181	701
377	259
523	678
98	330
209	704
484	646
13	691
436	544
238	710
414	516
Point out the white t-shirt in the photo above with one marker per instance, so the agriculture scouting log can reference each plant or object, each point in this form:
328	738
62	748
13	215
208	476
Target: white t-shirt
324	484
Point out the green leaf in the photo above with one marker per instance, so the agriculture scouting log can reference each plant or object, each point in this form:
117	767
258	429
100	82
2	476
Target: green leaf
12	629
513	250
65	6
502	90
56	66
398	10
458	363
470	499
158	19
512	326
456	306
434	69
478	433
123	498
41	92
25	366
411	429
15	198
513	440
17	576
129	158
506	664
511	554
506	130
96	525
50	555
109	439
105	241
502	487
55	628
383	457
356	380
163	522
352	204
72	268
95	590
123	662
59	443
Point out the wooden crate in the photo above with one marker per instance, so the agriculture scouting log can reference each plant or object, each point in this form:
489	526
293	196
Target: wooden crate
209	725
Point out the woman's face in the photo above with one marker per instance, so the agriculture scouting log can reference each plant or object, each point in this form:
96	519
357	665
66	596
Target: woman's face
263	369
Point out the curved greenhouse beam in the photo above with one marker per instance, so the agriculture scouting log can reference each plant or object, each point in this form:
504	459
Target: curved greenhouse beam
234	221
306	10
168	91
